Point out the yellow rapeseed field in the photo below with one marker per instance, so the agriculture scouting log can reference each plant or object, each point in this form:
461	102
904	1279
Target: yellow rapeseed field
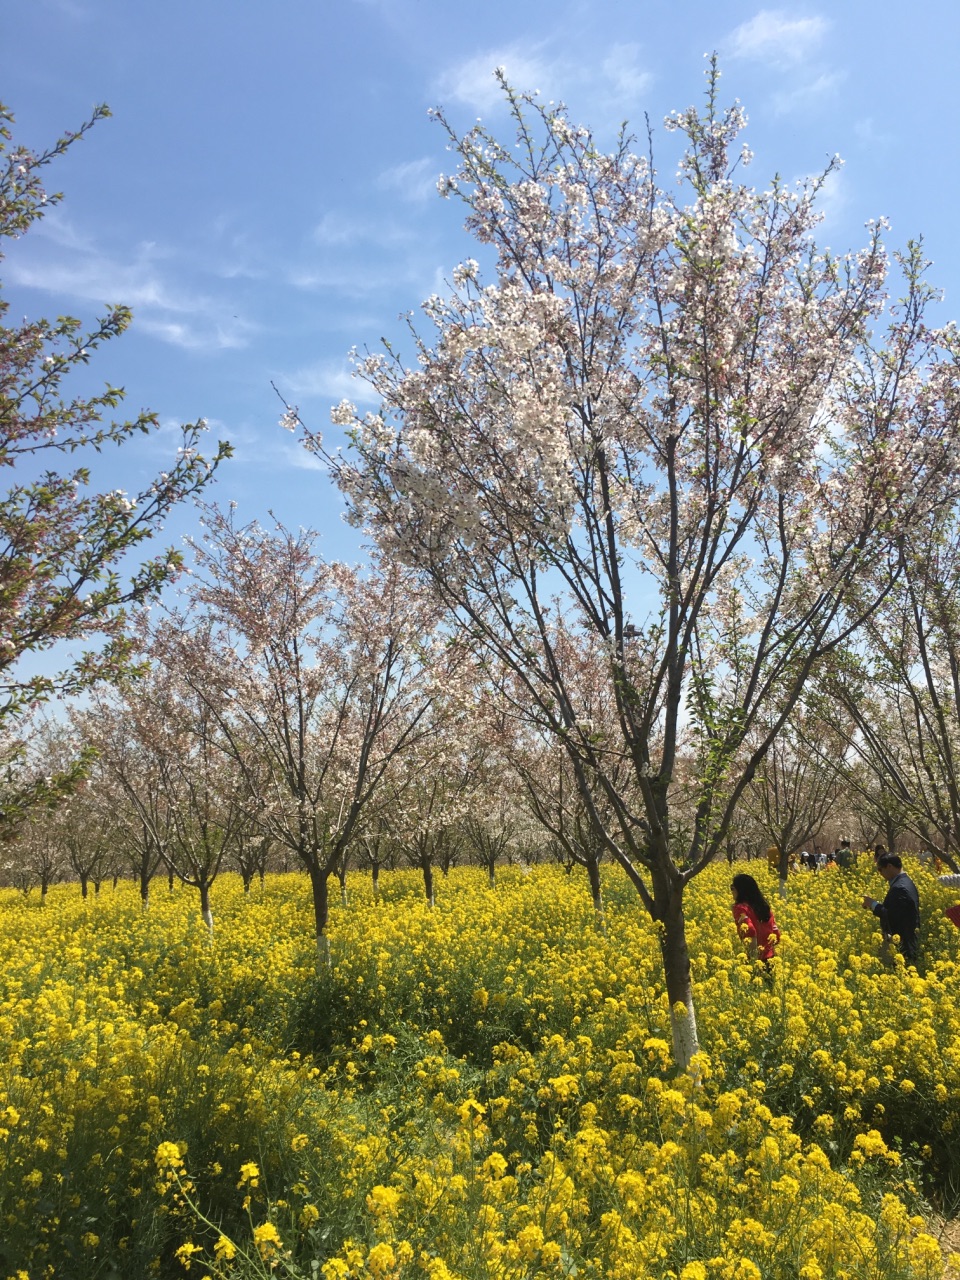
480	1091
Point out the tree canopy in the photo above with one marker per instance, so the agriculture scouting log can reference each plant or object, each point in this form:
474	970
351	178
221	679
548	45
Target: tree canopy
70	560
670	425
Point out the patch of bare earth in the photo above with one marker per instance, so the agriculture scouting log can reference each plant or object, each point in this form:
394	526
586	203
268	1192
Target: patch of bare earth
947	1232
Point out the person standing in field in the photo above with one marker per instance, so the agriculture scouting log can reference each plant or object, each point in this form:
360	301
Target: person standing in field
844	856
899	912
754	919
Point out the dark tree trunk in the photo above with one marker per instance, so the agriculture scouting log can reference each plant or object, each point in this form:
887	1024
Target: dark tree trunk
427	868
596	893
319	877
668	904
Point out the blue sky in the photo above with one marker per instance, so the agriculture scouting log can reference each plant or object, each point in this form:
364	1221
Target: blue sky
264	196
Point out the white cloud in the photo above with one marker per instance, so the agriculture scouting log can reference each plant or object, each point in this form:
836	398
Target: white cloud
71	9
777	37
56	226
335	230
807	95
623	74
867	131
416	180
330	380
607	87
833	198
210	335
175	315
300	458
474	83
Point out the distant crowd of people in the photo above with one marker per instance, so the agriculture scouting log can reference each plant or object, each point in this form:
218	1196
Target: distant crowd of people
898	911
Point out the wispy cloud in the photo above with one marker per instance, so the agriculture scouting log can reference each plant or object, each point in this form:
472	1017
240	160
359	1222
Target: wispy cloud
300	458
70	8
833	198
57	227
624	74
473	81
608	86
357	256
776	36
416	180
335	230
217	335
808	94
185	318
867	131
330	380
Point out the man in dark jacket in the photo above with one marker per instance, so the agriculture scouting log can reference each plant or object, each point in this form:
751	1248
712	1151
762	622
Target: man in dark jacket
899	912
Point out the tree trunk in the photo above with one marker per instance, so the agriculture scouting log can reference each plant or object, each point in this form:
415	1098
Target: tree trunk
783	871
492	873
170	878
84	884
596	893
376	882
205	910
668	900
428	883
321	909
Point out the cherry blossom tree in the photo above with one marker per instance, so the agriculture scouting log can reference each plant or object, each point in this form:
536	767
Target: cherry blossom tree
250	858
376	846
320	678
127	775
900	690
83	826
795	788
68	554
673	421
204	790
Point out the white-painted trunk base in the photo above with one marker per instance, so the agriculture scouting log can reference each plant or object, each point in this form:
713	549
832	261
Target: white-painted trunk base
683	1028
782	888
208	921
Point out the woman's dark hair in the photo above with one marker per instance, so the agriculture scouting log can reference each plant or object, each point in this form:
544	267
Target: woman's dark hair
748	891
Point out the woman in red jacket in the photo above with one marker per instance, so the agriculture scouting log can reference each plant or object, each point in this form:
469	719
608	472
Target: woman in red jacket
754	919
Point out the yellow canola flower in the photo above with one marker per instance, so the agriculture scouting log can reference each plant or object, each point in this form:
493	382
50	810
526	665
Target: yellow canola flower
578	1122
185	1254
168	1156
267	1240
383	1201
